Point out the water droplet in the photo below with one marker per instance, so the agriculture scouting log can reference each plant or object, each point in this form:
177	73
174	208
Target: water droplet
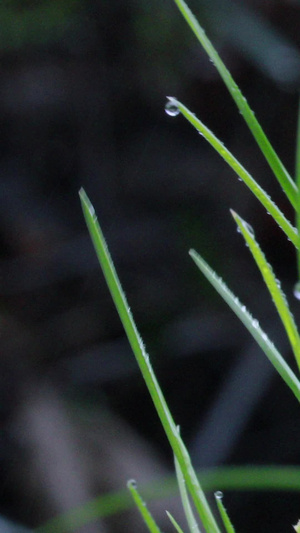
297	290
255	323
131	483
219	495
171	108
248	228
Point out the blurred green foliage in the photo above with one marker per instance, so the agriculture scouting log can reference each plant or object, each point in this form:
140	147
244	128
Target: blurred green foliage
35	22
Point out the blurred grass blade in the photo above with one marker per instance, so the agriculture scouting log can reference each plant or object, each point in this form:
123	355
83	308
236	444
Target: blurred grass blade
273	285
144	364
258	478
269	153
223	513
242	173
175	524
251	324
192	523
260	42
298	185
145	513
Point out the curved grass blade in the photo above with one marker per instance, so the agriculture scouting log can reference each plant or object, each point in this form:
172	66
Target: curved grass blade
260	194
269	153
146	369
254	478
273	285
251	324
223	513
144	511
193	526
175	524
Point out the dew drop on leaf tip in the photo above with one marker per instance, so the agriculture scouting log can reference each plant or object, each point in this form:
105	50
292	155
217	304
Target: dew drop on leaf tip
297	290
219	495
171	108
131	483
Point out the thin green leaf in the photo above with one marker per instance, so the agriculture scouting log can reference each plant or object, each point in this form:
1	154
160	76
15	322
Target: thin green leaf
223	513
175	524
273	285
143	361
243	174
298	195
251	324
144	511
269	153
192	523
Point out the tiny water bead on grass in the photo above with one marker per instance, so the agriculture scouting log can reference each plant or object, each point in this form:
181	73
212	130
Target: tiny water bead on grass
247	226
171	108
297	290
219	495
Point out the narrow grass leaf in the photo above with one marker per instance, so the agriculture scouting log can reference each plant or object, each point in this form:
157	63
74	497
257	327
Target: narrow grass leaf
175	524
273	285
269	153
192	523
251	324
242	173
297	171
140	504
145	366
223	513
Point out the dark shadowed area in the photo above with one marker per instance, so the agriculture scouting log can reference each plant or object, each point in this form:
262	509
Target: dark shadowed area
83	86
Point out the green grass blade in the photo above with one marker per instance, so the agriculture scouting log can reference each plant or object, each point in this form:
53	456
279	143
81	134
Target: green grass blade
144	364
254	478
298	195
140	504
251	324
223	513
242	173
175	524
269	153
273	285
185	500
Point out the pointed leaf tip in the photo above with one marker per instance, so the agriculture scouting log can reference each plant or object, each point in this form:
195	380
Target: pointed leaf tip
83	196
297	527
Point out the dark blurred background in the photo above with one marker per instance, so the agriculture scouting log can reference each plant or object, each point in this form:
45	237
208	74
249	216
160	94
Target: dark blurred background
83	86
